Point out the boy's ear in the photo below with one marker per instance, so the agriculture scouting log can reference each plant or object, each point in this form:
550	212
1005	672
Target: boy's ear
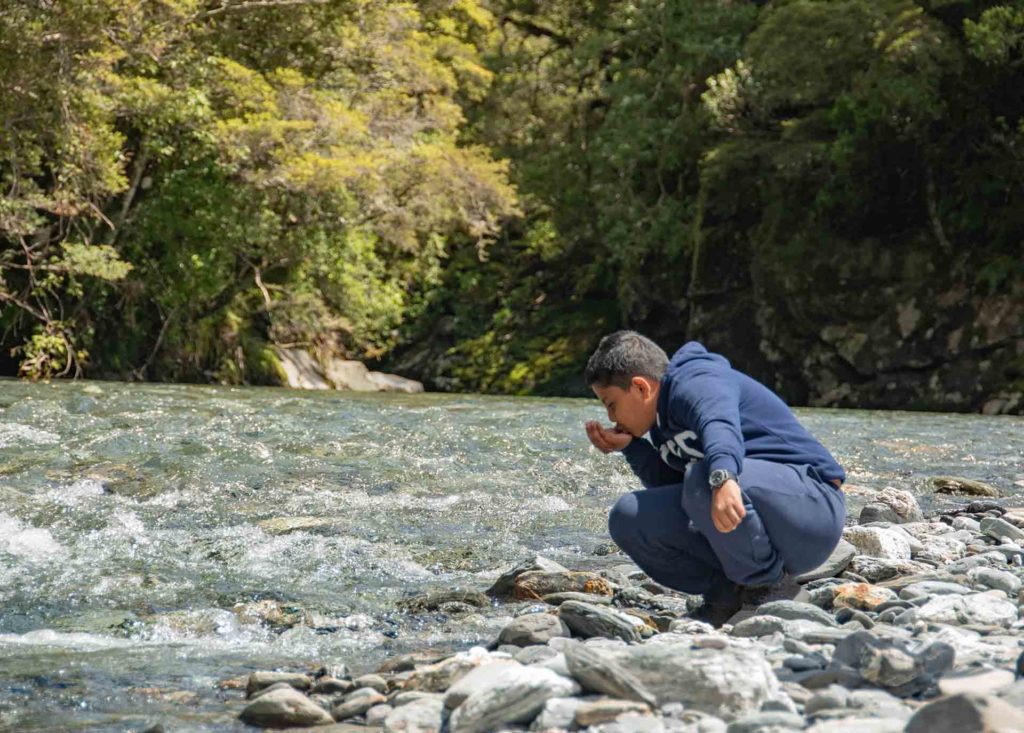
644	385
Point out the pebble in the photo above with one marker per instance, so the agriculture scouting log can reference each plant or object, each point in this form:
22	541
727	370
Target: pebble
284	707
535	628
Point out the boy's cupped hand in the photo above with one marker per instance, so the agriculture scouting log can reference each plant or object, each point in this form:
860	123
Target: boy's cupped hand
607	440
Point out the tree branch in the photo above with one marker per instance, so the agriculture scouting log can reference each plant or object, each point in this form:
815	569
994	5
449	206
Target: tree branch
255	4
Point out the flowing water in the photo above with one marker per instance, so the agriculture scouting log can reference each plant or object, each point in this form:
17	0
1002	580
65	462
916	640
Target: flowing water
145	530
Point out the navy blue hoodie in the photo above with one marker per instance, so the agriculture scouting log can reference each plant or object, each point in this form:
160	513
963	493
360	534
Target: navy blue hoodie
708	410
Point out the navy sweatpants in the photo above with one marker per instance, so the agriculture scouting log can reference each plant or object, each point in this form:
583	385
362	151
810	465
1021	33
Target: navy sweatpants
794	520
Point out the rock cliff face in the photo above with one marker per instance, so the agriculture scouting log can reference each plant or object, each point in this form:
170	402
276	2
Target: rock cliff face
874	326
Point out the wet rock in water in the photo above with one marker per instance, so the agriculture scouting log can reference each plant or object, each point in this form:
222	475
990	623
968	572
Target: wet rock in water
357	702
961	713
794	610
557	599
587	620
990	608
536	584
515	696
892	505
1000	529
596	712
890	664
861	596
504	585
835	564
409	662
878	542
960	485
535	628
598	672
332	686
433	600
373	681
260	680
984	682
727	683
425	715
283	708
874	569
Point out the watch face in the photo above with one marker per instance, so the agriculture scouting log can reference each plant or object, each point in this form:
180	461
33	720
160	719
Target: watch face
719	477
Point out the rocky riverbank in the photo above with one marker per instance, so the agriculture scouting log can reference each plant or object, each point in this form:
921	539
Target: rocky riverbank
912	625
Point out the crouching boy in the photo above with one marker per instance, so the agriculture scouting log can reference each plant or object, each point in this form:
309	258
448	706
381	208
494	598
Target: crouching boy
738	497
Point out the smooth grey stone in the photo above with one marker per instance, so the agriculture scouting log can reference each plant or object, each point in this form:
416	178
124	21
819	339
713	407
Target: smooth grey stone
804	663
332	686
517	696
889	616
796	646
758	626
824	636
357	702
835	564
600	672
976	682
283	708
832	697
793	610
773	721
534	654
845	615
425	715
376	715
893	604
725	683
260	680
971	525
411	696
1000	529
557	713
373	681
932	588
536	628
588	620
998	579
961	713
480	678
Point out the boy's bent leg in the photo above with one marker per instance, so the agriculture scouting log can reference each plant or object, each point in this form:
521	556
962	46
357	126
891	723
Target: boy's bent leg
654	530
793	520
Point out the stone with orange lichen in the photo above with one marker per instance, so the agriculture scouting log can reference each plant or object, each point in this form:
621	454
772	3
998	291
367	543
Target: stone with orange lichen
537	584
861	596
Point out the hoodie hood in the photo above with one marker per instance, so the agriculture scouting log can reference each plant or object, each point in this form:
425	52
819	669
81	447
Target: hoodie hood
692	354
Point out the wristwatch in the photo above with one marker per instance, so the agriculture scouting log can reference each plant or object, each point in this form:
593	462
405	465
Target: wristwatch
719	476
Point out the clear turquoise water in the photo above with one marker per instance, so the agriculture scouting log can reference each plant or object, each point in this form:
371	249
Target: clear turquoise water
130	527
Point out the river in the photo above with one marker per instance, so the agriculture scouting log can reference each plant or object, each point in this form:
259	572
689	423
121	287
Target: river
143	528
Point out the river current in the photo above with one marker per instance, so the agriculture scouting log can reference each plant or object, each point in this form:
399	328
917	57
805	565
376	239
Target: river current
145	530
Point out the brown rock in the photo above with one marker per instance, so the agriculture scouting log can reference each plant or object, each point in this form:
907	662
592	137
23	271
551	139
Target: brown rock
535	585
861	596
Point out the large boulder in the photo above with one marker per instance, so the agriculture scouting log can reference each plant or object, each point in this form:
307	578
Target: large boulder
727	683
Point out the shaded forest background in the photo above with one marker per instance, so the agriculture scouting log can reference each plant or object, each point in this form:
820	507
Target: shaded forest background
471	192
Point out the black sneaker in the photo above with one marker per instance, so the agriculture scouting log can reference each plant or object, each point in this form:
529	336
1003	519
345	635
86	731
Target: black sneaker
753	596
718	610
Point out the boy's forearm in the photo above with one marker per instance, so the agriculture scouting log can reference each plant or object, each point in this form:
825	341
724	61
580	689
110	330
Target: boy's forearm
645	462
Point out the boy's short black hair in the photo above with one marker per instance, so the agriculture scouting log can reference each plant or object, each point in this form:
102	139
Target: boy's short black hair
623	355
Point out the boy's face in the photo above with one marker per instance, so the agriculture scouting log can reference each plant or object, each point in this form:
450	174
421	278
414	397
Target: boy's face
633	409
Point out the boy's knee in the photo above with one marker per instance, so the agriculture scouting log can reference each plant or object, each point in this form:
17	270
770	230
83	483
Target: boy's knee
622	520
